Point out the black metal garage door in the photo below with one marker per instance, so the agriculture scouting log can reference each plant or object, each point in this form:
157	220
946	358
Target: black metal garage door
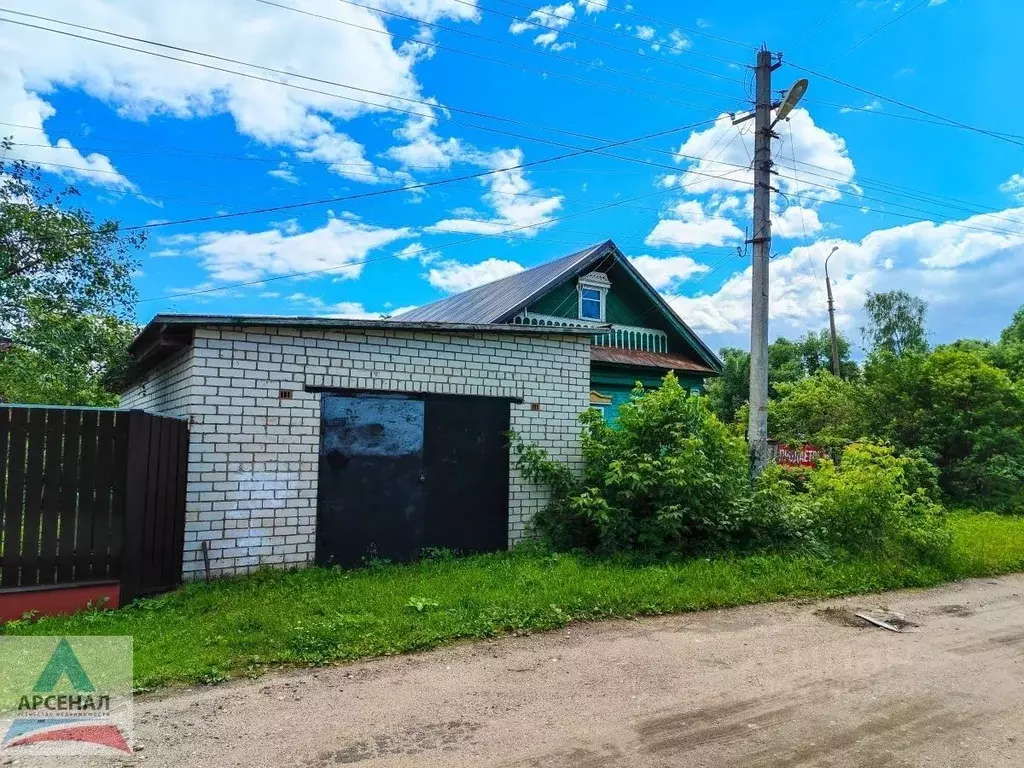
400	473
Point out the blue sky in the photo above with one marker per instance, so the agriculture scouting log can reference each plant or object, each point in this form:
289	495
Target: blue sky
934	209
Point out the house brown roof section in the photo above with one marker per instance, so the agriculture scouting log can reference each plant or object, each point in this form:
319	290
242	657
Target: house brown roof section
638	357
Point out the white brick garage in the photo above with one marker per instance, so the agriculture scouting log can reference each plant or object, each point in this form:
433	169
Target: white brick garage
251	388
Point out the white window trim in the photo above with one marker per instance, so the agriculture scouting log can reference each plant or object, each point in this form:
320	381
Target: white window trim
595	281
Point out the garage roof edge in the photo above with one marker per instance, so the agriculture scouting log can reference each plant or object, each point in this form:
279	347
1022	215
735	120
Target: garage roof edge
165	325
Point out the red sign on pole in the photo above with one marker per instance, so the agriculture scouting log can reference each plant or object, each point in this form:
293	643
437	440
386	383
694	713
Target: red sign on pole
806	455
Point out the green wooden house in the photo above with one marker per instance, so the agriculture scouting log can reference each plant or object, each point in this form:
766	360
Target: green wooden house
643	339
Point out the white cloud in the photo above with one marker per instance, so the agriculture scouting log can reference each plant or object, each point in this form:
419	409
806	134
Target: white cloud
548	17
795	222
346	157
872	106
1014	186
691	226
592	6
336	249
423	147
350	310
284	173
22	107
645	33
454	276
35	64
665	272
727	157
419	252
678	42
505	190
971	279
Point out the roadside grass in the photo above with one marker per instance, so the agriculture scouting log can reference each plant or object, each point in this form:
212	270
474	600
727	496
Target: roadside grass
205	633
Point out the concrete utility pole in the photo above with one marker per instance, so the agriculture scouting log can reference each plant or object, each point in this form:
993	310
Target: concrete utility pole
757	427
832	317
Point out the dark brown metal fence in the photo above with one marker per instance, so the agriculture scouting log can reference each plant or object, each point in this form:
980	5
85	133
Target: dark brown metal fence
91	494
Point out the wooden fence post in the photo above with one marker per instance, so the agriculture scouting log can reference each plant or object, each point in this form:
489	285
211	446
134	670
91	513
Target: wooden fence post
136	482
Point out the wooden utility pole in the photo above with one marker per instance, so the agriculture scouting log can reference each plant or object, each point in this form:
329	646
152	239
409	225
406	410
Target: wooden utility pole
757	428
832	318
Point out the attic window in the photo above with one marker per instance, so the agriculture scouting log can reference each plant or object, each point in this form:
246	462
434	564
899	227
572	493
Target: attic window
593	289
591	304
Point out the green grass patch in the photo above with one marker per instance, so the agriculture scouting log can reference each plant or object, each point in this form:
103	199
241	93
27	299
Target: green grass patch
208	632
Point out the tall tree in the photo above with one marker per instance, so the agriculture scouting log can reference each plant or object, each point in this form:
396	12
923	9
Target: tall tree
57	254
1009	352
895	322
727	393
66	293
66	359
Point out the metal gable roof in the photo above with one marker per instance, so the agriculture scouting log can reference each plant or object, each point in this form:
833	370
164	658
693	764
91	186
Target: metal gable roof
497	302
492	303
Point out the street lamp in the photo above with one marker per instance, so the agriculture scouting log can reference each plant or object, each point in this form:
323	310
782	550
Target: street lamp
793	95
832	316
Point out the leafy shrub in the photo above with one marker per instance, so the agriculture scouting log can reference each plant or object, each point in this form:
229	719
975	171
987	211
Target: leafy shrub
669	478
866	503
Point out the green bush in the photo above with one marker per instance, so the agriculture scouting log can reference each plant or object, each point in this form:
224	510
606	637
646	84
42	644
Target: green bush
867	504
669	478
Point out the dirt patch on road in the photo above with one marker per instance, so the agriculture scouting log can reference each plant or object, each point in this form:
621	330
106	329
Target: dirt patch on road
445	737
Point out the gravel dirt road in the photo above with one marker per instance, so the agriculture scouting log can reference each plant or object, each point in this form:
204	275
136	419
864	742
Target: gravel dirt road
776	685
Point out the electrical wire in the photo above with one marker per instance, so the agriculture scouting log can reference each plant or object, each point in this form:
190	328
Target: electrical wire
602	207
885	26
440	248
492	59
486	128
540	27
293	74
408	188
598	151
823	22
628	11
568	19
911	107
800	209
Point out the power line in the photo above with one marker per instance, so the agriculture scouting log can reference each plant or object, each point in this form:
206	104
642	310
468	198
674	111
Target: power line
885	26
540	27
823	22
508	43
596	150
495	41
898	116
548	222
800	210
897	102
864	181
440	248
411	187
310	78
486	128
630	12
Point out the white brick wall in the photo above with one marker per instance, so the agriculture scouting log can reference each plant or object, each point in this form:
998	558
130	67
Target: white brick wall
166	389
253	457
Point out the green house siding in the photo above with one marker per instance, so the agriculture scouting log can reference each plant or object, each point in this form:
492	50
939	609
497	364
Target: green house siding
618	383
627	303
